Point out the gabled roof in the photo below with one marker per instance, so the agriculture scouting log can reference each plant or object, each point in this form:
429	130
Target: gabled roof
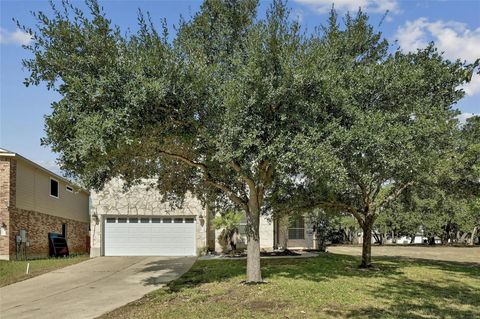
7	153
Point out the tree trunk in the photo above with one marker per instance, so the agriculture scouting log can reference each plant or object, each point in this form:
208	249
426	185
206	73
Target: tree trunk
367	243
474	235
376	237
254	274
355	236
283	232
463	238
349	233
412	239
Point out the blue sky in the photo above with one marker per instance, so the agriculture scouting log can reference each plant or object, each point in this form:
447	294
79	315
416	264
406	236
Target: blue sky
453	25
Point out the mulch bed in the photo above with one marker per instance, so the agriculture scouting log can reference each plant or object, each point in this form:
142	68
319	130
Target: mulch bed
285	252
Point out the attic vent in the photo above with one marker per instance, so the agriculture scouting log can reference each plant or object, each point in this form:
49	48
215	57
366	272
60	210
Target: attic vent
69	189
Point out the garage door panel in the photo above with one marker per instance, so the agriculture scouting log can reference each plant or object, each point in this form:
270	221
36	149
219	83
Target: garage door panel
149	239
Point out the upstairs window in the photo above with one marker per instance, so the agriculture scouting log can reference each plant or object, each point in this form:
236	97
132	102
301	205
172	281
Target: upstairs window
296	229
53	188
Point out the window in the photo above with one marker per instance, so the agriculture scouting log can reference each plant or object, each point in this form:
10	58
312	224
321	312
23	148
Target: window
296	229
111	220
133	220
144	220
69	189
122	220
156	220
242	226
189	220
53	188
167	220
178	220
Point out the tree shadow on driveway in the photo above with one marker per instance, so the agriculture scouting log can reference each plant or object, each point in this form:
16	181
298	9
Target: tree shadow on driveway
164	270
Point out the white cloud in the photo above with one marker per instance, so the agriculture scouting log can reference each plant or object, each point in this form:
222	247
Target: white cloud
298	14
373	6
462	118
15	37
473	87
451	37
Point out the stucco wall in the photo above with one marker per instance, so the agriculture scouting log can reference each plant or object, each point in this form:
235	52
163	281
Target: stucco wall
139	200
33	193
307	243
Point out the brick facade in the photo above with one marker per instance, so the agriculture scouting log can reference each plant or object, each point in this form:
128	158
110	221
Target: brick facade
5	200
37	225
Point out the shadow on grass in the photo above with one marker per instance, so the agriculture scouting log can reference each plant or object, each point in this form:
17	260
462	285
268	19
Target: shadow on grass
399	295
417	299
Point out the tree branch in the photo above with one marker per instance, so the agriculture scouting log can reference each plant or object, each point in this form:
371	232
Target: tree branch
331	204
393	195
233	197
185	160
231	194
237	168
266	173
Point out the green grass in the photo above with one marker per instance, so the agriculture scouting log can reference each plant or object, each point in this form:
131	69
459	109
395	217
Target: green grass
14	271
328	286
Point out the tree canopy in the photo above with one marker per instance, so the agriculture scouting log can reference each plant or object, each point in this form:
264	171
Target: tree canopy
382	119
209	112
248	112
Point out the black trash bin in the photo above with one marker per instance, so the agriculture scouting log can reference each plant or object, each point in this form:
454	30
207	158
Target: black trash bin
57	245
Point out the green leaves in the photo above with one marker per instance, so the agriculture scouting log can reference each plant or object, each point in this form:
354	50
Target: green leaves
338	115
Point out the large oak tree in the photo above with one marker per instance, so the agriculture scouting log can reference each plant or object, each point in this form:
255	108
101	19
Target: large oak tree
247	111
209	112
381	121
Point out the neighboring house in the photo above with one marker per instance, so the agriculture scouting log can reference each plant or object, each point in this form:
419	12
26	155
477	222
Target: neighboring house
39	201
136	222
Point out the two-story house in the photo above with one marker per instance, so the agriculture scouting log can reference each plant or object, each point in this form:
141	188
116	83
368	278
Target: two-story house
35	201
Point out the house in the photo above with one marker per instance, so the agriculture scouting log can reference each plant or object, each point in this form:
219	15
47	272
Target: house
35	202
136	222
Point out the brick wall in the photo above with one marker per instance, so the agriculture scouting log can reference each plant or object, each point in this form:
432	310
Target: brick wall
38	226
7	199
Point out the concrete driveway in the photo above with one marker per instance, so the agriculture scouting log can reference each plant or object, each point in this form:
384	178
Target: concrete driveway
90	288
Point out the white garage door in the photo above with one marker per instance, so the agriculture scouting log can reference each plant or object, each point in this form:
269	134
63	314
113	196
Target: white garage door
150	236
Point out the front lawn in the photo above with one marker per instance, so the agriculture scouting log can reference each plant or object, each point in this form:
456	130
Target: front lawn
328	286
13	271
